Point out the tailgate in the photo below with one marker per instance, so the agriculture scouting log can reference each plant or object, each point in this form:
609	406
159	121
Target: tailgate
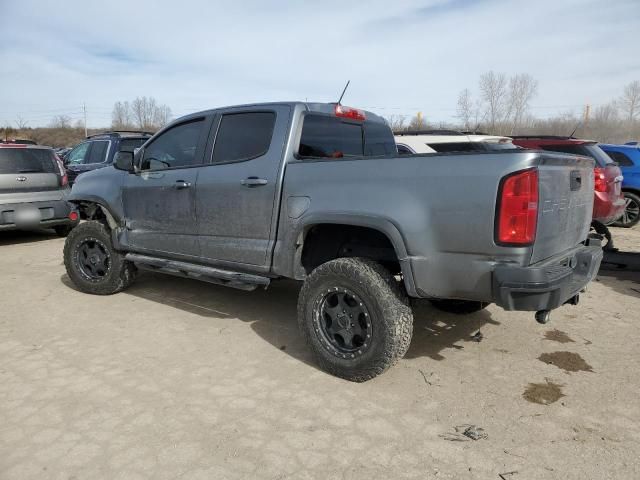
565	204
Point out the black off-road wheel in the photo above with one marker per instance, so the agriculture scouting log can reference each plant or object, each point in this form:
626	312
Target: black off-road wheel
93	265
458	307
355	318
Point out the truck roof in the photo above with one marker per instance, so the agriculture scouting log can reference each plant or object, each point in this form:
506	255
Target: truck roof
319	107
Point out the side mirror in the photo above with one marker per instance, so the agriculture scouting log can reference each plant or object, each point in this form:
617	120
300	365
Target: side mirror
124	161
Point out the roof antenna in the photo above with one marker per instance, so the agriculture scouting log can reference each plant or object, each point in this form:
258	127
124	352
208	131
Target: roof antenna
345	89
574	130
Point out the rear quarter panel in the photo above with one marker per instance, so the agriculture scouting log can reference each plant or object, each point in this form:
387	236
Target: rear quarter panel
441	208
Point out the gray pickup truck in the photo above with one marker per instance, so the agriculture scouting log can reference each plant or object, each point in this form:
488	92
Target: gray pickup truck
243	196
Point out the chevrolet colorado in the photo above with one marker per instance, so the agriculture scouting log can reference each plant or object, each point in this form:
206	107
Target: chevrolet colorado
242	196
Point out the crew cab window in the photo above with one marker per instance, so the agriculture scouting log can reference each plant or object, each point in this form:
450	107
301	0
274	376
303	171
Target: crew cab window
622	159
78	154
243	136
174	148
98	152
324	136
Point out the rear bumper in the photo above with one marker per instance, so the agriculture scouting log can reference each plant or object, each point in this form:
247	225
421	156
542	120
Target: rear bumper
52	214
549	284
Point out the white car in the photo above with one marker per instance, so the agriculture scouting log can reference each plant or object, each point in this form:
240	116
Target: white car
432	141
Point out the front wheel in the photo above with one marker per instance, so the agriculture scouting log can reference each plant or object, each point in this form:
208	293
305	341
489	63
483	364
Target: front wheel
355	318
92	263
631	215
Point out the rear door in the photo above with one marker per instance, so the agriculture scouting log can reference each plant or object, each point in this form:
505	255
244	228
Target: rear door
159	200
565	204
236	193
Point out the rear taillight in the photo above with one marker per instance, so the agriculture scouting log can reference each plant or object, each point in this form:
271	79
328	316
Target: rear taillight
599	180
64	180
517	213
348	112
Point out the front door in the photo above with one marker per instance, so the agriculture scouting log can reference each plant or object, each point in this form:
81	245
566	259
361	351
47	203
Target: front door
237	191
159	200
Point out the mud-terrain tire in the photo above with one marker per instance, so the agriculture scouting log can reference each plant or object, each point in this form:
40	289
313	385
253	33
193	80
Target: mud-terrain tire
458	307
93	265
362	300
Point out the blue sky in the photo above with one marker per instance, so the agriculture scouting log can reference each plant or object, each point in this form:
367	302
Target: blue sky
401	57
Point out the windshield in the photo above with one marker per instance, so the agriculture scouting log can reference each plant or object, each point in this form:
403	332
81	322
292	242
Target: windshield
25	160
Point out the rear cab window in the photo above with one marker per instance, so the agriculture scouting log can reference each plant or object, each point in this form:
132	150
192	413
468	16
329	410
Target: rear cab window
27	160
326	136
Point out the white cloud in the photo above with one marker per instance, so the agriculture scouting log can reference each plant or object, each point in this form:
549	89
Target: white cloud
400	56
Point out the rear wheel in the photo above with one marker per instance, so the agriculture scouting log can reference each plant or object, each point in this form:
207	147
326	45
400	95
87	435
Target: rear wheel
355	318
92	263
631	215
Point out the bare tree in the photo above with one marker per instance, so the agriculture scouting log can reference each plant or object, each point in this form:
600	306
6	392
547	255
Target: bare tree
465	109
21	123
417	122
630	101
605	124
161	116
121	116
522	89
493	92
396	122
60	121
148	115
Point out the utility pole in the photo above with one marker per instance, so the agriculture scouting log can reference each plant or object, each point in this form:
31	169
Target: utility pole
84	111
587	113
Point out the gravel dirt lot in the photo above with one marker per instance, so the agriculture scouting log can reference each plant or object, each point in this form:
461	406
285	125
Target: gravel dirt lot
179	379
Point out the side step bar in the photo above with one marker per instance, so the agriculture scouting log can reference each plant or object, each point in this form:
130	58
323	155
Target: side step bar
243	281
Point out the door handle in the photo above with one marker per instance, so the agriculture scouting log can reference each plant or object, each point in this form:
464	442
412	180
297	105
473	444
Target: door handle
253	182
180	184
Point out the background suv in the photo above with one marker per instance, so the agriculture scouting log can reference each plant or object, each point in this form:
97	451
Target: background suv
628	158
33	190
99	150
608	204
431	141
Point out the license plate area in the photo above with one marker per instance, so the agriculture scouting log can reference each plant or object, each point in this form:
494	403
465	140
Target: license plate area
27	216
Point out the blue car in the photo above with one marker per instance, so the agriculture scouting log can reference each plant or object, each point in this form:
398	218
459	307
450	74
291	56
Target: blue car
628	157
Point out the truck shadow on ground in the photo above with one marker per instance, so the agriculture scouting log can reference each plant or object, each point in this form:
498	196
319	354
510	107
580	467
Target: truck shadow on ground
620	280
272	313
14	237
